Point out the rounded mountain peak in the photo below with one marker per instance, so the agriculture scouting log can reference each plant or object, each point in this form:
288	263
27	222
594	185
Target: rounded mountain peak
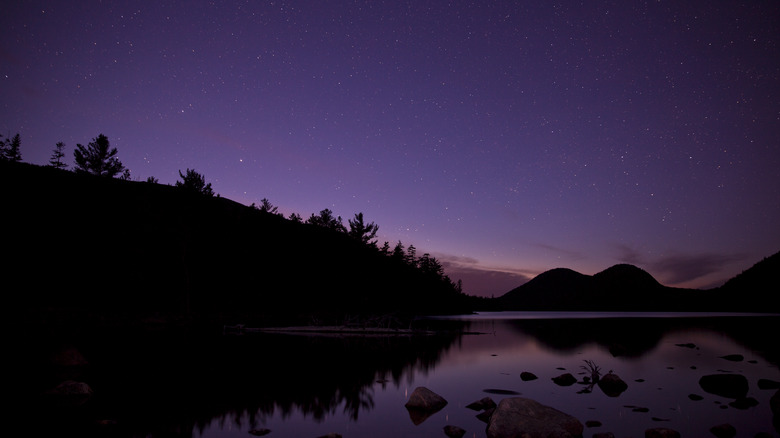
626	275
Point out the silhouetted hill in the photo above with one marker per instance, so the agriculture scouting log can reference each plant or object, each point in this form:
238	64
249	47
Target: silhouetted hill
757	285
85	247
626	287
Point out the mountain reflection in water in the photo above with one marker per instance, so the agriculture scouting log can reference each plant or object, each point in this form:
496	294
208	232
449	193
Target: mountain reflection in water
308	386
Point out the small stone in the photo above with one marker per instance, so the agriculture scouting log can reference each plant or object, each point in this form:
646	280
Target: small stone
482	404
744	403
612	385
661	432
564	379
526	376
454	431
724	431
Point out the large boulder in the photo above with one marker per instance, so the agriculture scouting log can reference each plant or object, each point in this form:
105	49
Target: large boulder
518	416
423	403
725	385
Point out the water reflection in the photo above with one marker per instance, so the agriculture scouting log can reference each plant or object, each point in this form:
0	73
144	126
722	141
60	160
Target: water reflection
289	385
177	385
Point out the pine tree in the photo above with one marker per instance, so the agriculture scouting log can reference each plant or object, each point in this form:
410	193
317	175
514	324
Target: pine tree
9	149
327	220
194	182
361	231
98	158
57	155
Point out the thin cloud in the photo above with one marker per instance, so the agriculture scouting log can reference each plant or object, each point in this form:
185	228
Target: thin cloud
687	267
678	268
565	253
482	280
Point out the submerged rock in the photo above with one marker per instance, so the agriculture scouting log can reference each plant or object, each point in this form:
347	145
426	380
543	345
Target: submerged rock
500	391
519	416
733	357
725	385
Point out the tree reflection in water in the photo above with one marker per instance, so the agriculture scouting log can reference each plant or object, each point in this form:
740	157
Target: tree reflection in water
172	385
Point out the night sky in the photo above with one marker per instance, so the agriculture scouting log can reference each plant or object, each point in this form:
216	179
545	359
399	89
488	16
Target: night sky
503	138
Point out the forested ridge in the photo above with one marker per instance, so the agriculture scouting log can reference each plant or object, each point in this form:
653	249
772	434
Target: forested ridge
107	250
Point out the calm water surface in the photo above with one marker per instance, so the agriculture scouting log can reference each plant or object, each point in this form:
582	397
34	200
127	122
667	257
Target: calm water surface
310	386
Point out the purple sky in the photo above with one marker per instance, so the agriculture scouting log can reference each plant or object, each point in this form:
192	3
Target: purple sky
504	138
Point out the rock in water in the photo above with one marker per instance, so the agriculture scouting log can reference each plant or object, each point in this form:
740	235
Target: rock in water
565	379
482	404
774	403
423	403
526	376
454	431
725	385
517	416
612	385
724	431
661	432
424	399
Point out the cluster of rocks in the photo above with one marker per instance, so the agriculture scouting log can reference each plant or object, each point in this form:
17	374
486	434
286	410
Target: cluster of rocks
512	416
518	416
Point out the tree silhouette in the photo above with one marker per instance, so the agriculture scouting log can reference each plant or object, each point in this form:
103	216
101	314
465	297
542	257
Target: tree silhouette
411	256
398	252
57	155
429	265
98	158
194	182
9	149
362	231
327	220
267	207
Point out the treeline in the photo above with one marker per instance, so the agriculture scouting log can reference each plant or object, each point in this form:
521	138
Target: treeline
181	249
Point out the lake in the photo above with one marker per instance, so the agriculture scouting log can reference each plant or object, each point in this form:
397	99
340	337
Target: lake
309	385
